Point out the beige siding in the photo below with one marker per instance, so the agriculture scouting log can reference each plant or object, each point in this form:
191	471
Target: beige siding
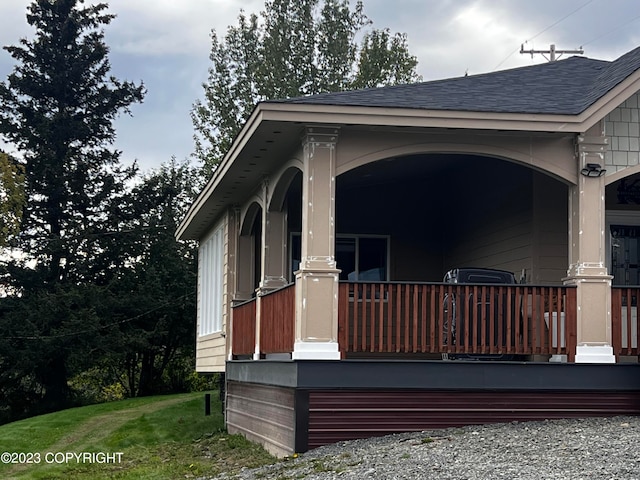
504	243
493	223
211	350
550	211
210	354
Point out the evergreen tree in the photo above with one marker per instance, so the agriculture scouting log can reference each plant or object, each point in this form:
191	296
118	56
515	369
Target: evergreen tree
57	108
157	290
301	47
11	196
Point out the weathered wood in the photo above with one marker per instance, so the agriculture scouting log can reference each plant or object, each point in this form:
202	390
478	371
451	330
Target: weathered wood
243	324
277	320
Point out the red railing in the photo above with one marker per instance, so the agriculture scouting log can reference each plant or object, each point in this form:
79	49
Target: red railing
452	318
624	320
243	328
277	320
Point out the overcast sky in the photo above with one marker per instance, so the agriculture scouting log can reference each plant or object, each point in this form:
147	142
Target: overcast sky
166	43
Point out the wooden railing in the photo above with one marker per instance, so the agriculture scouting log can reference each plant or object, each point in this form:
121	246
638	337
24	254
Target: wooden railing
277	320
243	333
452	318
624	320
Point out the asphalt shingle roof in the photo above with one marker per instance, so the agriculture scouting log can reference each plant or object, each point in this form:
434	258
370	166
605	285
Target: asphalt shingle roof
562	87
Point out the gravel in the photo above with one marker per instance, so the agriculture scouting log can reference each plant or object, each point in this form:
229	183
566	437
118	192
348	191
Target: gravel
593	448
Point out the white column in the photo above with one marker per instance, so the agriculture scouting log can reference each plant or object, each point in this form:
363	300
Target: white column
274	247
587	253
317	279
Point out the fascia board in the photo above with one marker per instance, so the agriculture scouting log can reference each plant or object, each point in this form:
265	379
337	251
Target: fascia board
236	147
402	117
611	100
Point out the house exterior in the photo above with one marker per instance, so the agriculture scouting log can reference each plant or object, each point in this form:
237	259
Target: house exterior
328	227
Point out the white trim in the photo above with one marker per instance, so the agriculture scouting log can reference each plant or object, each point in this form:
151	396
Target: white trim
211	283
315	351
595	353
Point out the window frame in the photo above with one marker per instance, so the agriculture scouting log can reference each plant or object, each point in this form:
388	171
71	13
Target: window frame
356	237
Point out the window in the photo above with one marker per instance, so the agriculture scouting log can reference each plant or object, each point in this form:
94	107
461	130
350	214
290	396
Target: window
210	261
360	257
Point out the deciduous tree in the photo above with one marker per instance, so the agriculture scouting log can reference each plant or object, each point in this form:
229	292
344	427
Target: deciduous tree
293	48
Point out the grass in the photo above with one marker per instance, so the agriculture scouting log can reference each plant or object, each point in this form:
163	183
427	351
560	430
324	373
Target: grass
153	438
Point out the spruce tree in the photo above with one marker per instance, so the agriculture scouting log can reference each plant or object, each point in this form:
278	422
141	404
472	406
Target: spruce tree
57	109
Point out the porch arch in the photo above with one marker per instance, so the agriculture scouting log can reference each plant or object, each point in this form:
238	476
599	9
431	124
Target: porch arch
619	175
459	210
282	181
248	216
564	170
248	270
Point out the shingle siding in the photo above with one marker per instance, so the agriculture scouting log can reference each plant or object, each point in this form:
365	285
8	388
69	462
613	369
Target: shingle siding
622	126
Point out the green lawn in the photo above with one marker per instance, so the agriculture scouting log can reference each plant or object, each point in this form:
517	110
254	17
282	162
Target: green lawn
164	437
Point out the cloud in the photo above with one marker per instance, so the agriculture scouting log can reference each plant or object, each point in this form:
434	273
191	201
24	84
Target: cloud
170	27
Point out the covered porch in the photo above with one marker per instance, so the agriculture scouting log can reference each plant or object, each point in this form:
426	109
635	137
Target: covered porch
327	228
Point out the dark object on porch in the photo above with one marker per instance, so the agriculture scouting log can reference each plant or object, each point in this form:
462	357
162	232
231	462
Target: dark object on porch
479	275
477	315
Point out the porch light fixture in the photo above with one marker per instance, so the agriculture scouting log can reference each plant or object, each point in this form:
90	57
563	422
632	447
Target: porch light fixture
593	170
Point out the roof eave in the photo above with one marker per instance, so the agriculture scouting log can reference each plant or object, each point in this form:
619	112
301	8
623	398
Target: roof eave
182	232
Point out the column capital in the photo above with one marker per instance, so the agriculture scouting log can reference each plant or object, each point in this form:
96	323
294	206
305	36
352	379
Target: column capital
320	135
592	142
591	146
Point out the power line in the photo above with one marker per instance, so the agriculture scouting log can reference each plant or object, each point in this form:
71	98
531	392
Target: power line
612	30
101	327
543	31
556	23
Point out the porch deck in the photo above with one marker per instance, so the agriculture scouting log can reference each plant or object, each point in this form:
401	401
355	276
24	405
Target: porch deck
392	377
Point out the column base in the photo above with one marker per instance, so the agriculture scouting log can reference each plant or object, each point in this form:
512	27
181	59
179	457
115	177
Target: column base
598	353
315	351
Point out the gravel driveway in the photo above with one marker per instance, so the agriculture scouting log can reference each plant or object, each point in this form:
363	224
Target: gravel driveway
595	448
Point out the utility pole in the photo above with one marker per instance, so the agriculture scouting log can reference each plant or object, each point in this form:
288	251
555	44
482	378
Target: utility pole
551	52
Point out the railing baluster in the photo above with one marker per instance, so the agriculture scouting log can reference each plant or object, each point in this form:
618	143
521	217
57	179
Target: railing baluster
493	320
407	313
380	299
398	318
436	318
423	319
414	336
390	301
537	338
511	316
420	318
527	323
